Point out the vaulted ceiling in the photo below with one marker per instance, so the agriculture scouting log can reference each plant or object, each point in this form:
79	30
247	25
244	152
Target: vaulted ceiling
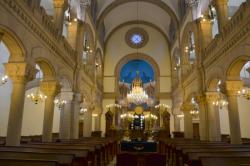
156	13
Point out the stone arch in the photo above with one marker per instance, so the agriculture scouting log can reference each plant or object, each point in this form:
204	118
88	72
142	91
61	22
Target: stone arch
215	76
47	68
14	45
233	70
135	56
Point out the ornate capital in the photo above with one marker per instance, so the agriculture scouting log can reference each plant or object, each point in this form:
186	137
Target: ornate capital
220	2
187	107
68	96
50	88
233	87
20	72
212	96
60	3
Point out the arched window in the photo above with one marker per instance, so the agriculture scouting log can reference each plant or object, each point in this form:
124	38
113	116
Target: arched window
87	51
213	17
190	48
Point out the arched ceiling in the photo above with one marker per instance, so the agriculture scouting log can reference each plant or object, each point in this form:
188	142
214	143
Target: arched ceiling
160	13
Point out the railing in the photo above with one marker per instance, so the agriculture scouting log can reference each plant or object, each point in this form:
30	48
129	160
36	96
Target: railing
34	19
233	31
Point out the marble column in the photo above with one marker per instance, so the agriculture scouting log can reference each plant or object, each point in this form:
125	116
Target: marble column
50	89
203	126
222	13
66	111
75	116
232	88
188	120
87	127
59	9
213	116
19	73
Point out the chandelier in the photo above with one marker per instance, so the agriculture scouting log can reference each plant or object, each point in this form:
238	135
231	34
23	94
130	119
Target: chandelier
244	93
60	103
4	79
36	97
137	95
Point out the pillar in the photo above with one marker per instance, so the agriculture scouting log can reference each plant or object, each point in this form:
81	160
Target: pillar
59	8
188	120
203	126
50	89
232	88
222	13
97	123
66	111
177	124
214	131
87	127
205	29
75	116
19	73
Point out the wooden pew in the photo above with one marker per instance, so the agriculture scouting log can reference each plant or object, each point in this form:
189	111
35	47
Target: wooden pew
80	156
224	161
26	162
92	153
193	159
61	159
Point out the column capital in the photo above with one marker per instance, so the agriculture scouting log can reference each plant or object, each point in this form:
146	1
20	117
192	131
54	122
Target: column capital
212	96
60	3
233	87
187	107
201	98
67	95
220	2
50	87
20	72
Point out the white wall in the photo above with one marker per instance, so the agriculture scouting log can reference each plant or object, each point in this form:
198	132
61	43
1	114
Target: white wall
244	113
224	120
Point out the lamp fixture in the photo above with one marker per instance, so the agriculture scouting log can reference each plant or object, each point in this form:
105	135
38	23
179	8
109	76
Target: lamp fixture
245	92
4	79
137	95
60	103
37	96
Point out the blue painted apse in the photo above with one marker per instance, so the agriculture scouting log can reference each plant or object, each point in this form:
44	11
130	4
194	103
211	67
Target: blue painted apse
130	70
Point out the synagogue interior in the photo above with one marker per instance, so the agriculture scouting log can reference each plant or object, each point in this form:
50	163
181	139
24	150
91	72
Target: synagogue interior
124	82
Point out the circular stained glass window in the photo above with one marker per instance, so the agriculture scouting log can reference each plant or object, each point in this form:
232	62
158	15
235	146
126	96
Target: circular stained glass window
136	37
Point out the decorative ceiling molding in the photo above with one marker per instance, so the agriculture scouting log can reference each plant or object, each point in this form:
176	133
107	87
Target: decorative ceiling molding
117	3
